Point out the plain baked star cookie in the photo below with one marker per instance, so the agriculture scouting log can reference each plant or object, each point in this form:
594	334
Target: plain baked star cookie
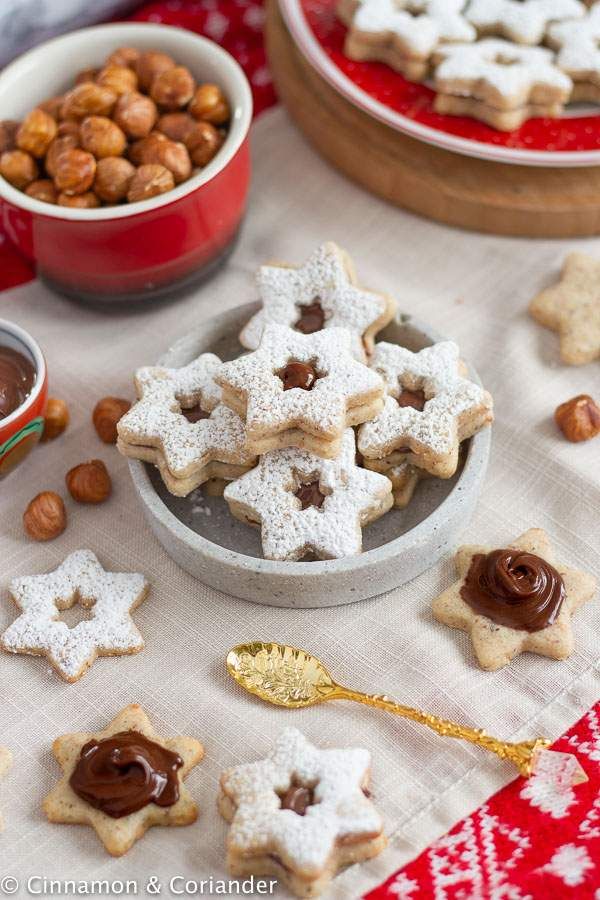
300	390
429	409
499	82
514	599
5	764
578	44
123	780
522	21
306	504
301	814
110	597
322	293
572	308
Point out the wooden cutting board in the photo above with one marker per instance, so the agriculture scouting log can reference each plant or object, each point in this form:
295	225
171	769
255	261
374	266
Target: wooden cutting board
457	190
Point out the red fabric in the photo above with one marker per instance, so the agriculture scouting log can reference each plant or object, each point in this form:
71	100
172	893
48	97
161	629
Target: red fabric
235	24
535	839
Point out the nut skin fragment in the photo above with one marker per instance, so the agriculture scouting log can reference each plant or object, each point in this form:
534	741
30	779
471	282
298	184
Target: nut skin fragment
19	168
87	200
113	177
135	114
89	482
74	172
150	64
209	104
150	181
101	137
43	189
173	88
88	99
56	418
36	132
45	517
106	415
120	79
578	418
203	143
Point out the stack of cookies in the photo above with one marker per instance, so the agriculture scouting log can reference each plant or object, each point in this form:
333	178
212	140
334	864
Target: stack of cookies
279	426
500	61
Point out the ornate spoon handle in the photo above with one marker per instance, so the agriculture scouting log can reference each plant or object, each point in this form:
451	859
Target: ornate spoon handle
521	755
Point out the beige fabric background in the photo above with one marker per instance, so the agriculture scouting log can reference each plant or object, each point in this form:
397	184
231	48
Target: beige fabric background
472	288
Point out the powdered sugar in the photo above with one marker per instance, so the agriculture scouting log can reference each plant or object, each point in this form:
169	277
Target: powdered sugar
421	24
79	579
524	21
188	385
353	496
579	44
304	843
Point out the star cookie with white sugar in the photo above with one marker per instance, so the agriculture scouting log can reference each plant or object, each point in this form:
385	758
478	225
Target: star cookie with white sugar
322	293
578	45
300	390
403	475
572	308
308	505
5	764
123	780
110	598
498	82
301	814
522	21
514	599
429	409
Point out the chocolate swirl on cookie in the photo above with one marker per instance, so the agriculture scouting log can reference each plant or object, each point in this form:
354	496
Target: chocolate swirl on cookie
125	772
514	588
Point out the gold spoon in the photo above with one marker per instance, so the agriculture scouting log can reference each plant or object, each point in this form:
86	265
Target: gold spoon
290	677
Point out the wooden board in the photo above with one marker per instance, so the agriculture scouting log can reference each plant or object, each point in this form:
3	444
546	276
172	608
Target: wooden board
456	190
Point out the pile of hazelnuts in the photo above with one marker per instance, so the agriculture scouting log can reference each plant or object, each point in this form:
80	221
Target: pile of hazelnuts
127	132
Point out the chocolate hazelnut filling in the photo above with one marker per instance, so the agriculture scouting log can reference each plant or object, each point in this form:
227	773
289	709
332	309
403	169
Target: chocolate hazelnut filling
416	399
298	375
310	494
195	414
297	798
17	377
312	317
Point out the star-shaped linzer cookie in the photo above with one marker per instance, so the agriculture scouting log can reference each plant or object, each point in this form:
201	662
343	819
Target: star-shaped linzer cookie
523	21
572	308
322	293
110	598
300	390
5	764
301	814
129	770
514	599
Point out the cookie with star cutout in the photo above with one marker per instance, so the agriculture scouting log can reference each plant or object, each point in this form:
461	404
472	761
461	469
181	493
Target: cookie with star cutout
522	21
5	764
123	780
578	46
300	815
403	475
309	506
321	293
572	308
300	390
429	409
109	597
514	599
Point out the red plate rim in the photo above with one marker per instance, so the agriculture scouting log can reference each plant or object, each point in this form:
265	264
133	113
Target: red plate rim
309	45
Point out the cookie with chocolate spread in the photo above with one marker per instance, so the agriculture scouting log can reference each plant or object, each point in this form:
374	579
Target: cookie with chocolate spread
514	599
123	780
5	764
301	814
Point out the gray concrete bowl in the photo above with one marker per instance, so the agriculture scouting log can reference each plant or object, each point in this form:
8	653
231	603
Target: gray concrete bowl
199	533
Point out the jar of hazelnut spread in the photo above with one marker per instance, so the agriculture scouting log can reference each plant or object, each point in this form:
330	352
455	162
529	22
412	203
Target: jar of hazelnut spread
17	378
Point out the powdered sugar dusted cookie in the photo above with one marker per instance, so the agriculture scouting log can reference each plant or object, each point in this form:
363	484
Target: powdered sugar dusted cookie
322	293
572	308
578	44
499	82
123	780
308	505
301	814
190	385
300	390
430	408
514	599
523	21
403	476
109	596
5	764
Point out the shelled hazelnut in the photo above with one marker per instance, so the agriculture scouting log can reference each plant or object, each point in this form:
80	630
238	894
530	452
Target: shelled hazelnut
120	79
150	180
203	143
209	104
113	176
56	419
176	126
42	189
87	200
106	415
36	133
53	106
173	88
19	168
135	114
8	135
45	517
579	418
89	482
88	99
124	56
75	171
58	146
85	76
150	64
101	137
170	154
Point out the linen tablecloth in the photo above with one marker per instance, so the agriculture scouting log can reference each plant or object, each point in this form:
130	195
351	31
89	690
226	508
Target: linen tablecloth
472	288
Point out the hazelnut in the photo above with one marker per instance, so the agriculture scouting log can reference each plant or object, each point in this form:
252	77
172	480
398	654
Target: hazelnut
203	142
173	88
45	517
69	128
19	168
52	106
579	418
106	415
120	79
124	56
139	149
101	137
149	181
210	105
87	200
175	125
173	156
56	418
89	482
113	175
86	76
75	171
135	114
88	99
36	132
43	190
58	146
8	135
150	64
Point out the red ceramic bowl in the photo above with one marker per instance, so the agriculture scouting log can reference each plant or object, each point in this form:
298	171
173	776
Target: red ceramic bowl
22	429
136	250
